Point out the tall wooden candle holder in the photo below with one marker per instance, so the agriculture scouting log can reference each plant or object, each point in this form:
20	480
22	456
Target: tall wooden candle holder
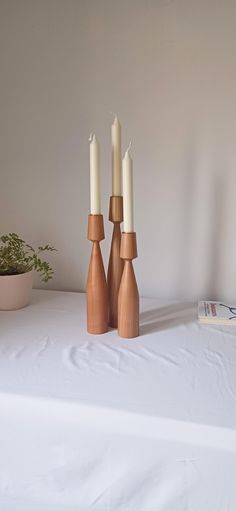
96	290
128	298
116	264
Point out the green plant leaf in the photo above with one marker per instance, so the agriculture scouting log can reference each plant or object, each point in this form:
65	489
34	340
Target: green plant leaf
17	256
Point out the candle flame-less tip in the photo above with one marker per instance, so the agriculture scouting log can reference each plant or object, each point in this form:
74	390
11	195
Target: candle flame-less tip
116	120
127	152
92	138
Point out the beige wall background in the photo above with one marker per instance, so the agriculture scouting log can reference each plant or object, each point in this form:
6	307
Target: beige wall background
168	68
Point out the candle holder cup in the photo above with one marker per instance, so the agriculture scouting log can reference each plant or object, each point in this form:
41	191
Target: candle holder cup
116	264
128	298
96	289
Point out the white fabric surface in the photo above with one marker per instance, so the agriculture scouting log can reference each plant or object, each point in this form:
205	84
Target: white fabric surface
105	424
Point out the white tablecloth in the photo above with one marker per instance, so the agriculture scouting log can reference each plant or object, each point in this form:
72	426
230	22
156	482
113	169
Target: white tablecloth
105	424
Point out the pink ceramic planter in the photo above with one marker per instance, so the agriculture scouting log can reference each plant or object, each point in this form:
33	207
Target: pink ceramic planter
15	290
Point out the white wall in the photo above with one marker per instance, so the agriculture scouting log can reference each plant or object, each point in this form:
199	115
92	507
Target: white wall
168	68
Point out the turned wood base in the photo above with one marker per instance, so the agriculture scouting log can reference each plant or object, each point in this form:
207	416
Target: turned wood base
96	289
116	264
128	298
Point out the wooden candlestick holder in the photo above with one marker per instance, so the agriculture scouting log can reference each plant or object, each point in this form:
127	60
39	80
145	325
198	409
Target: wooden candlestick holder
96	289
128	298
116	264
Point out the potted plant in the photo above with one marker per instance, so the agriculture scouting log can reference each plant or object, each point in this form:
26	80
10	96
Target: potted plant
17	262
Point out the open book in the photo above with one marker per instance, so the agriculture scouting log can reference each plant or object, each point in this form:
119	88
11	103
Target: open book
216	312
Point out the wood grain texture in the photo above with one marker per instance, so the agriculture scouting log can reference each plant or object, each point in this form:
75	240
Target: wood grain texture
128	297
116	264
96	289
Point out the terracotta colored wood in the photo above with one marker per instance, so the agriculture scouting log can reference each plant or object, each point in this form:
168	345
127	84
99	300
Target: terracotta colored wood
95	228
96	289
128	297
128	247
116	209
116	264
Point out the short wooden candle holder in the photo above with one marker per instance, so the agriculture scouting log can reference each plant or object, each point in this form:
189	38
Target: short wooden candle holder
128	298
96	290
116	264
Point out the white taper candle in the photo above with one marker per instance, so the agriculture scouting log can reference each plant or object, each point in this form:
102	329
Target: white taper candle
95	193
116	157
128	193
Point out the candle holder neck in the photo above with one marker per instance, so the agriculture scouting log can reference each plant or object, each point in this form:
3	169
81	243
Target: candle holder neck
116	209
128	247
95	228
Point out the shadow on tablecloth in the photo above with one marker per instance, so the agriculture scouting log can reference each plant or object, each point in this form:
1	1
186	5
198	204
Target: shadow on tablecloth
166	317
